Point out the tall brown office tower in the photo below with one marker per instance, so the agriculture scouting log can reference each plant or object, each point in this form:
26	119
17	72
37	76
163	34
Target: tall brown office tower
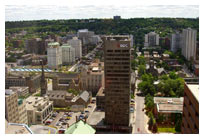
43	82
117	79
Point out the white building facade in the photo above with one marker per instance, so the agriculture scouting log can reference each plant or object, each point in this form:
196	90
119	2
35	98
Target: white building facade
189	37
54	55
77	45
68	54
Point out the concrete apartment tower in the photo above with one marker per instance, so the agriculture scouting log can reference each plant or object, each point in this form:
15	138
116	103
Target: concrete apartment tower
43	82
76	43
117	79
151	39
189	43
54	55
176	40
68	54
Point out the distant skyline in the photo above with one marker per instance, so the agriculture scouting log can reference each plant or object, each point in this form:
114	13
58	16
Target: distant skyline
50	12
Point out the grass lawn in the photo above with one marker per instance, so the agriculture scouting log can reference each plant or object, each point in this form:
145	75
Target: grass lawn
166	129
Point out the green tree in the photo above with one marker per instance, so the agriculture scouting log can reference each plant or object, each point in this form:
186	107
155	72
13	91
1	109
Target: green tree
141	60
73	91
141	69
146	87
173	75
134	63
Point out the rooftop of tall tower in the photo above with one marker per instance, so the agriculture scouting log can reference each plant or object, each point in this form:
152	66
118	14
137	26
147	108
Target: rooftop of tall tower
117	37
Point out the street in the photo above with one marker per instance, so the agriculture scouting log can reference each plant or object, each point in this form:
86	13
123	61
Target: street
140	124
77	64
140	116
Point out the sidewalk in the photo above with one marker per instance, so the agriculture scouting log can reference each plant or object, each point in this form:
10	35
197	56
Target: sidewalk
146	119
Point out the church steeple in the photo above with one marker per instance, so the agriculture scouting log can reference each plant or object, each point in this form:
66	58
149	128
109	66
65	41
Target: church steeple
43	81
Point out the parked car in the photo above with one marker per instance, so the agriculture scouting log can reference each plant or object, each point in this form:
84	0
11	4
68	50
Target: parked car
68	118
58	124
131	110
61	131
64	123
86	111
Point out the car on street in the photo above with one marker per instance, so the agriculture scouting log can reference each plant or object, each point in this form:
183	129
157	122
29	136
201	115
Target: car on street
89	106
64	123
131	110
68	118
86	111
59	124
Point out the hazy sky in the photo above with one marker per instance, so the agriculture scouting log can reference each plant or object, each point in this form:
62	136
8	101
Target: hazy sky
37	12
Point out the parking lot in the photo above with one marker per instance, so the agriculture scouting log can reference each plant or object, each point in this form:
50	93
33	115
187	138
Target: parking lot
62	120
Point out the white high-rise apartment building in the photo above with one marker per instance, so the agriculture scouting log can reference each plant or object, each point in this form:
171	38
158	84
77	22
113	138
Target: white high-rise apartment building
76	43
68	54
189	43
54	55
151	39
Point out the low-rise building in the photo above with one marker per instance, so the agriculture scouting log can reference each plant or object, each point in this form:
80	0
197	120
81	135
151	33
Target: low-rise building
14	128
151	68
64	81
30	80
165	56
167	108
77	108
39	109
60	98
20	90
83	99
92	77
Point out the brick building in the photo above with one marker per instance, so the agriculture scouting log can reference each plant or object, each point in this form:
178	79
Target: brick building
190	119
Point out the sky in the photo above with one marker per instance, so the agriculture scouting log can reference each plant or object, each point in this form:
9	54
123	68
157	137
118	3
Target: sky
50	12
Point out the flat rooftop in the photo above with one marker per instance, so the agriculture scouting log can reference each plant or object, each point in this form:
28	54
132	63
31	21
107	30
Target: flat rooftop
96	118
16	129
169	105
9	92
194	89
33	102
39	129
53	44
